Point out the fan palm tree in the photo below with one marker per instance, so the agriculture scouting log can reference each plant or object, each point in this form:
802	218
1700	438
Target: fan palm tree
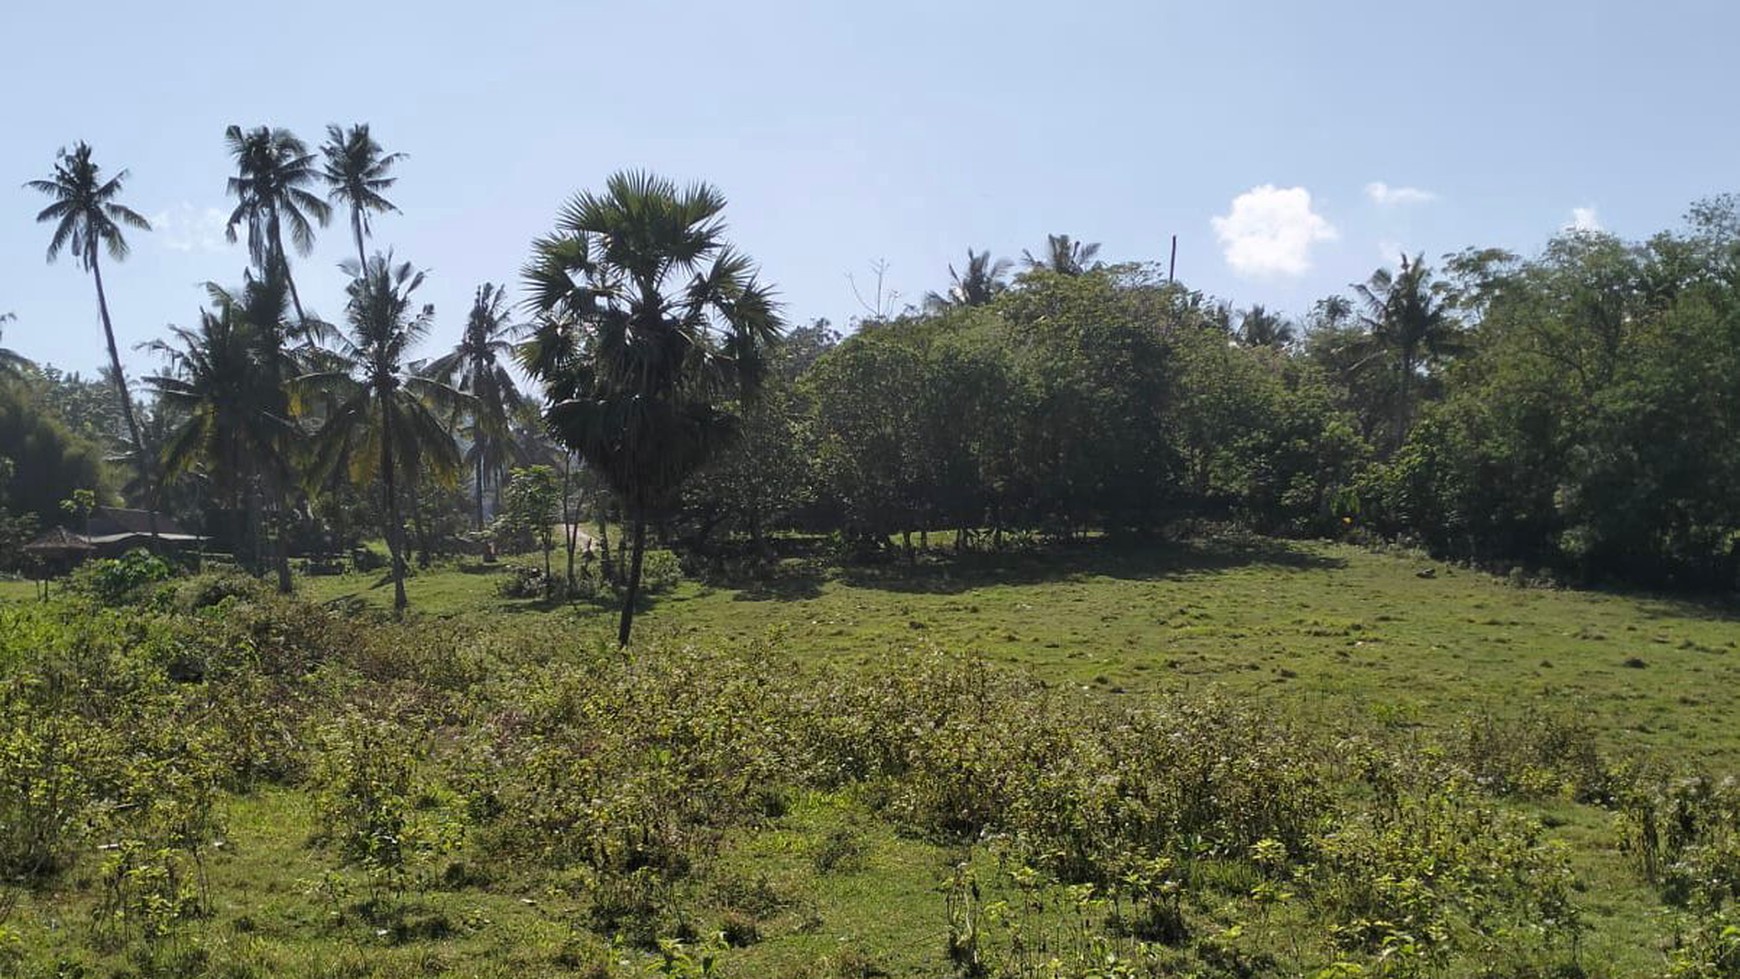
356	177
1063	255
1406	316
980	283
649	325
273	170
385	421
479	366
87	219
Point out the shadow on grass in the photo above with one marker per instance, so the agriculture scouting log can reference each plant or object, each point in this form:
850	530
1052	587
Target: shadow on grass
947	573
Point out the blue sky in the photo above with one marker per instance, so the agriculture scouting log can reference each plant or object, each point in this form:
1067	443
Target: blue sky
1292	147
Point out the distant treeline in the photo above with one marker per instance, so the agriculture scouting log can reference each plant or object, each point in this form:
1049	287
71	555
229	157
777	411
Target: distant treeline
1575	412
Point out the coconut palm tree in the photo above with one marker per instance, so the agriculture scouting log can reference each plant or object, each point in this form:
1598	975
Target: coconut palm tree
479	366
1062	255
87	219
356	177
273	170
649	327
980	283
1406	316
1260	328
225	429
385	421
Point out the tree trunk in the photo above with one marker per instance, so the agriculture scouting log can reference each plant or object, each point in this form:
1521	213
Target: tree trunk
281	537
480	492
549	545
256	531
421	529
144	456
570	518
395	526
606	570
633	591
277	247
1405	394
362	261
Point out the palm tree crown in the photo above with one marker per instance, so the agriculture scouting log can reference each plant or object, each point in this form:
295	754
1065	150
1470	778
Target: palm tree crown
356	175
85	211
978	284
1260	328
273	170
1063	255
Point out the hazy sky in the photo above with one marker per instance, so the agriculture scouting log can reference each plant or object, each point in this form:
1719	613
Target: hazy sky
1291	146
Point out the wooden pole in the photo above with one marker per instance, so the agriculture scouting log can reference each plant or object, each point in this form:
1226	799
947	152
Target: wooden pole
1172	265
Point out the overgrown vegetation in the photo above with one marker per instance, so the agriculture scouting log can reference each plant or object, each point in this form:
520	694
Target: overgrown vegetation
210	780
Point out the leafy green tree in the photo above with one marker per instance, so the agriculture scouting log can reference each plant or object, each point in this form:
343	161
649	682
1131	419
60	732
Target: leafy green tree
1062	255
384	420
529	508
273	171
49	460
978	282
477	366
866	417
766	477
87	219
650	329
356	172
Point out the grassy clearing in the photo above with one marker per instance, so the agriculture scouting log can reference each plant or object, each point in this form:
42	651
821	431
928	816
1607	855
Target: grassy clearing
1319	628
843	792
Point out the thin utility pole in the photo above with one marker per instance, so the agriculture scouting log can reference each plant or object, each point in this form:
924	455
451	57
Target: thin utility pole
1172	266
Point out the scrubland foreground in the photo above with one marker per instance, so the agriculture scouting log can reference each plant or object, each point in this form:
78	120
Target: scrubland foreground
198	778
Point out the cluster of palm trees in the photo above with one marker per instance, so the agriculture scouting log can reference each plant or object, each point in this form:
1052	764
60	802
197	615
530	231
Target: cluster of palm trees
983	279
267	403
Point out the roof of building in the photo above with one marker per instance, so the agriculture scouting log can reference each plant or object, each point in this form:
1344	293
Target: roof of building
59	539
107	521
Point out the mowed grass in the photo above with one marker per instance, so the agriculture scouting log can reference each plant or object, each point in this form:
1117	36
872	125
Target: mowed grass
1319	629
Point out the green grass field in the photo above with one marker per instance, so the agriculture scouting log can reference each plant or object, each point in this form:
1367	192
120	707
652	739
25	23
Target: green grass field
1317	637
1315	627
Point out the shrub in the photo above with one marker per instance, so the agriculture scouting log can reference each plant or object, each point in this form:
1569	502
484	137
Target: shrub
118	581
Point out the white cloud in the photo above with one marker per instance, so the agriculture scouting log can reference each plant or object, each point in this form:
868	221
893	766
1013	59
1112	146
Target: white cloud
1270	231
1383	195
185	228
1583	219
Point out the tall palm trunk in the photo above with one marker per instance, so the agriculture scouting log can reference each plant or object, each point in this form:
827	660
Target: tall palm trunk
633	592
126	400
356	229
395	525
480	492
284	267
1404	399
